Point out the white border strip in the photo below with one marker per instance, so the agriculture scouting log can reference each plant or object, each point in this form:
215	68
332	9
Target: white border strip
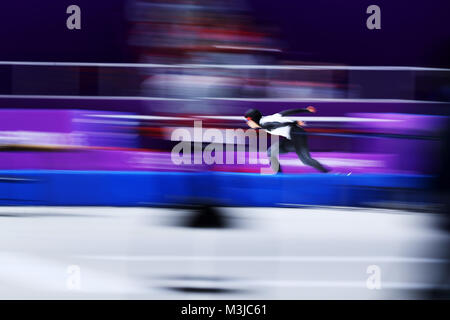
240	118
219	66
166	258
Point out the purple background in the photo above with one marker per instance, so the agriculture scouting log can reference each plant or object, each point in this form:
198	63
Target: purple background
413	32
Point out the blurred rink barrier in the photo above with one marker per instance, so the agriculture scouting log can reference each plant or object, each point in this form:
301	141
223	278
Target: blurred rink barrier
101	133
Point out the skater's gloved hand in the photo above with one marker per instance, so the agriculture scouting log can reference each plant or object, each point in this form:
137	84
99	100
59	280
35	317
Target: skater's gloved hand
311	109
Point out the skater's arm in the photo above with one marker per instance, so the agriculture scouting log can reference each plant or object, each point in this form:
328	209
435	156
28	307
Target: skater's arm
289	112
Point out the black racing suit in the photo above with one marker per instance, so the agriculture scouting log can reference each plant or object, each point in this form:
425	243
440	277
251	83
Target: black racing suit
297	143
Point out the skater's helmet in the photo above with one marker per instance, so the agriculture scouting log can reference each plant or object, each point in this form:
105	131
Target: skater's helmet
253	114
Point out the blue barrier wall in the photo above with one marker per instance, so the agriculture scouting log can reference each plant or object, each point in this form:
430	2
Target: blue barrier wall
109	188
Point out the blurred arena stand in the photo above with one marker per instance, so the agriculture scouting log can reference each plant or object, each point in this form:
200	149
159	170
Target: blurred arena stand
381	150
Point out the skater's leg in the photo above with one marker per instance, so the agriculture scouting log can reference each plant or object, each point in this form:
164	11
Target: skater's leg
301	148
273	153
